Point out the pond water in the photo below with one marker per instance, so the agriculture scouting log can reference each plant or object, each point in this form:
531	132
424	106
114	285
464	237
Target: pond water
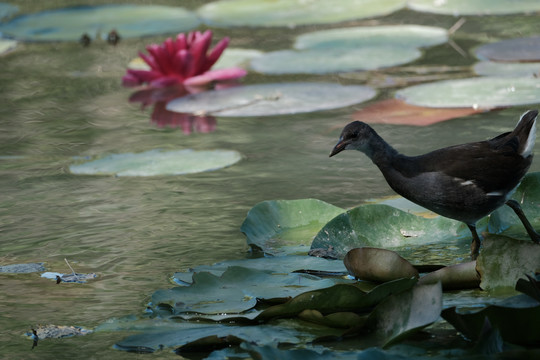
61	101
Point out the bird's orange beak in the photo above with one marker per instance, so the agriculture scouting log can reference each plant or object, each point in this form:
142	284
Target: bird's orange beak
340	146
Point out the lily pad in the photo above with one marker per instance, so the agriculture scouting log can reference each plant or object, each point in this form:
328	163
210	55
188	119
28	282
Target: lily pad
458	276
514	259
278	264
511	50
476	7
404	313
491	68
512	317
478	93
158	162
235	291
232	57
69	24
412	36
58	331
395	111
22	268
7	45
274	225
333	59
272	99
292	13
378	265
383	226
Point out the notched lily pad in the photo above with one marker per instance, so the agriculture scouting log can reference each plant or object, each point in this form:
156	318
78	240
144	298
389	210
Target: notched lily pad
378	265
273	226
158	162
69	24
478	93
383	226
395	111
272	99
476	7
292	13
511	50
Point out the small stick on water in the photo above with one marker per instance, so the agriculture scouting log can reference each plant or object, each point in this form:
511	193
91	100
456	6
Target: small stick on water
73	271
456	26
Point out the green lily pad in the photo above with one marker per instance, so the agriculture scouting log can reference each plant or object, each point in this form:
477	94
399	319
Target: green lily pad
511	50
478	93
275	225
404	313
378	265
69	24
513	317
476	7
7	45
272	99
490	68
338	298
279	264
383	226
333	59
514	259
180	334
232	57
158	162
412	36
235	291
292	13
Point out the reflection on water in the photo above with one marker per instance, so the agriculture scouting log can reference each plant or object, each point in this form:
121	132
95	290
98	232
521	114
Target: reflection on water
161	117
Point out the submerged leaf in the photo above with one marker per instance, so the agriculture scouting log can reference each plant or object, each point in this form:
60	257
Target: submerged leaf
272	226
378	265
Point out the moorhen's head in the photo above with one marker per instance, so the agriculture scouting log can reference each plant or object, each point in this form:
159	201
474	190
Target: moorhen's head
355	136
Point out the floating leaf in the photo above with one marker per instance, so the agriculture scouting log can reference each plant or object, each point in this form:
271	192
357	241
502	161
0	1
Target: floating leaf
333	59
292	13
378	265
412	36
503	261
69	278
476	7
235	291
395	111
180	334
459	276
512	317
511	50
158	162
69	24
232	57
335	320
404	313
274	225
58	331
338	298
7	45
478	93
490	68
272	99
279	264
383	226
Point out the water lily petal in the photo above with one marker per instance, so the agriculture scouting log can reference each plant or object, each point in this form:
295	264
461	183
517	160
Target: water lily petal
143	75
198	50
216	52
216	75
164	81
150	61
129	80
181	42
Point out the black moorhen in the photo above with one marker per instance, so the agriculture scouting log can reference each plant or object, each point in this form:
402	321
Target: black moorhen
462	182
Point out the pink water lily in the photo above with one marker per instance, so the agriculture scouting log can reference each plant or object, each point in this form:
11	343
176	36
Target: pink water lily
185	60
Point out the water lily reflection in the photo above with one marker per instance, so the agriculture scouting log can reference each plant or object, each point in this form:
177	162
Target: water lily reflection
185	60
158	97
